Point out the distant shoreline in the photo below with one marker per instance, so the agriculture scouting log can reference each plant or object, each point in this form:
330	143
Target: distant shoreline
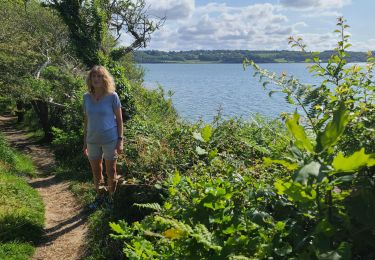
206	62
235	56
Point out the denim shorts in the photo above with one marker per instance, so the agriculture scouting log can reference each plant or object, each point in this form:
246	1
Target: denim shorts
98	151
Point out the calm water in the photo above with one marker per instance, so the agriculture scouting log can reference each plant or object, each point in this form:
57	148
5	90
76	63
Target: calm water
201	90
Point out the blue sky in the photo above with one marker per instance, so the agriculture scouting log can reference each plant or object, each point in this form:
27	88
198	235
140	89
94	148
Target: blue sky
260	24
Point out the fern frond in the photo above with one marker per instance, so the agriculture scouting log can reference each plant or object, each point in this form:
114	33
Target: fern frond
154	206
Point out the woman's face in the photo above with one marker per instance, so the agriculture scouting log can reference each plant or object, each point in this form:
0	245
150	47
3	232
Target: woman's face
97	80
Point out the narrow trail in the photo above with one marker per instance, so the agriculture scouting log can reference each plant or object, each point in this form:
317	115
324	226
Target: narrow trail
65	225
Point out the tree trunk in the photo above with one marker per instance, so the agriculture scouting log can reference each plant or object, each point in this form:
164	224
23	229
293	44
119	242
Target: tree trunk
41	109
20	111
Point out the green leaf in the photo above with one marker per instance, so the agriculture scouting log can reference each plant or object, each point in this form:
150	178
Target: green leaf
325	227
284	249
303	175
343	252
200	151
176	178
167	205
212	154
280	226
290	166
117	228
198	136
158	186
295	191
302	141
229	230
206	133
333	130
354	162
272	92
204	237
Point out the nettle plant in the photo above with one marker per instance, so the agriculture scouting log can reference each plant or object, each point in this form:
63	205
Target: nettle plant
332	183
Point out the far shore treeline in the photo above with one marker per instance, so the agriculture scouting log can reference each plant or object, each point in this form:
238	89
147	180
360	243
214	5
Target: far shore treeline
235	56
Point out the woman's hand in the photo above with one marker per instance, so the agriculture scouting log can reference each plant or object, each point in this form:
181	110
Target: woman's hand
120	146
84	150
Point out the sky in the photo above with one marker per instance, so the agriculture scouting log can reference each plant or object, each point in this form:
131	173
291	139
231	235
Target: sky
259	24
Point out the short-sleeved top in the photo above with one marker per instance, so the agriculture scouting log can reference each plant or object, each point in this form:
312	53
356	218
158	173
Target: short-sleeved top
101	118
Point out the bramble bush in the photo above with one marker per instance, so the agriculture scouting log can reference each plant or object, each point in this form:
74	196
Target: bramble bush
314	200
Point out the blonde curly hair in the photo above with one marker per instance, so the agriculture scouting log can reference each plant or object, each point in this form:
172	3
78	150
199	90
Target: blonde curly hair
109	83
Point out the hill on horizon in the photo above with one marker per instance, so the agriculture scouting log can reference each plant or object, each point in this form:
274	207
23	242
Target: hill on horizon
235	56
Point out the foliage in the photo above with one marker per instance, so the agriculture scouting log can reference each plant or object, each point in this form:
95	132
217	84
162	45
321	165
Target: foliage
234	56
342	84
92	23
101	246
13	250
340	115
32	37
158	142
314	200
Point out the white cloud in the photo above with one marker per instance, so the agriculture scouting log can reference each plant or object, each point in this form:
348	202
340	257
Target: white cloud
368	45
251	27
319	42
313	4
219	26
171	9
320	13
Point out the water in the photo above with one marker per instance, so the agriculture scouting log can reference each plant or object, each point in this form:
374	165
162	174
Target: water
201	90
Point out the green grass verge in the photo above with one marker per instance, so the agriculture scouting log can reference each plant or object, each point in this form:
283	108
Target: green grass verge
21	208
14	162
16	251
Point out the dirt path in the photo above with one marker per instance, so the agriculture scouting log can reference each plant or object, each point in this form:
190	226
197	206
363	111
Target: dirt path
65	222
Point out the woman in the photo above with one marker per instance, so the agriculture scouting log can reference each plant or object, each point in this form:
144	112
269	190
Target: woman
103	128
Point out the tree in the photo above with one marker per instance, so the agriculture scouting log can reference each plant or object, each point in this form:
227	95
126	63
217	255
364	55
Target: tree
96	26
32	37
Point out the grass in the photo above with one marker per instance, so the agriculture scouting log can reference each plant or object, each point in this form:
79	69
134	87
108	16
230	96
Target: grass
14	162
37	134
21	208
24	165
14	250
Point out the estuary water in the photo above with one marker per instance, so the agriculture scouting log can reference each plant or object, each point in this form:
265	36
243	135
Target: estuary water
202	90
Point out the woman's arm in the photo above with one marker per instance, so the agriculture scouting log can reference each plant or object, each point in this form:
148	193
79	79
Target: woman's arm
84	149
120	129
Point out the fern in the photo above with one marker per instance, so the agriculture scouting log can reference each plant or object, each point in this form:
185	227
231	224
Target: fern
154	206
174	223
203	236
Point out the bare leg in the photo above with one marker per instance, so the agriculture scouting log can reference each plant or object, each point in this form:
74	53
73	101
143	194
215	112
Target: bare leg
96	167
110	166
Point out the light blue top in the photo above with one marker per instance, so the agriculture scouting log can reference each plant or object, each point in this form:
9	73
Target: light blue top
101	118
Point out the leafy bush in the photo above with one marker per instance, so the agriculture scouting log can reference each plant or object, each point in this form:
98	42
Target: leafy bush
314	200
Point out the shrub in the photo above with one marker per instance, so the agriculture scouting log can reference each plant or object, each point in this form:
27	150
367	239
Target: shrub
316	203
